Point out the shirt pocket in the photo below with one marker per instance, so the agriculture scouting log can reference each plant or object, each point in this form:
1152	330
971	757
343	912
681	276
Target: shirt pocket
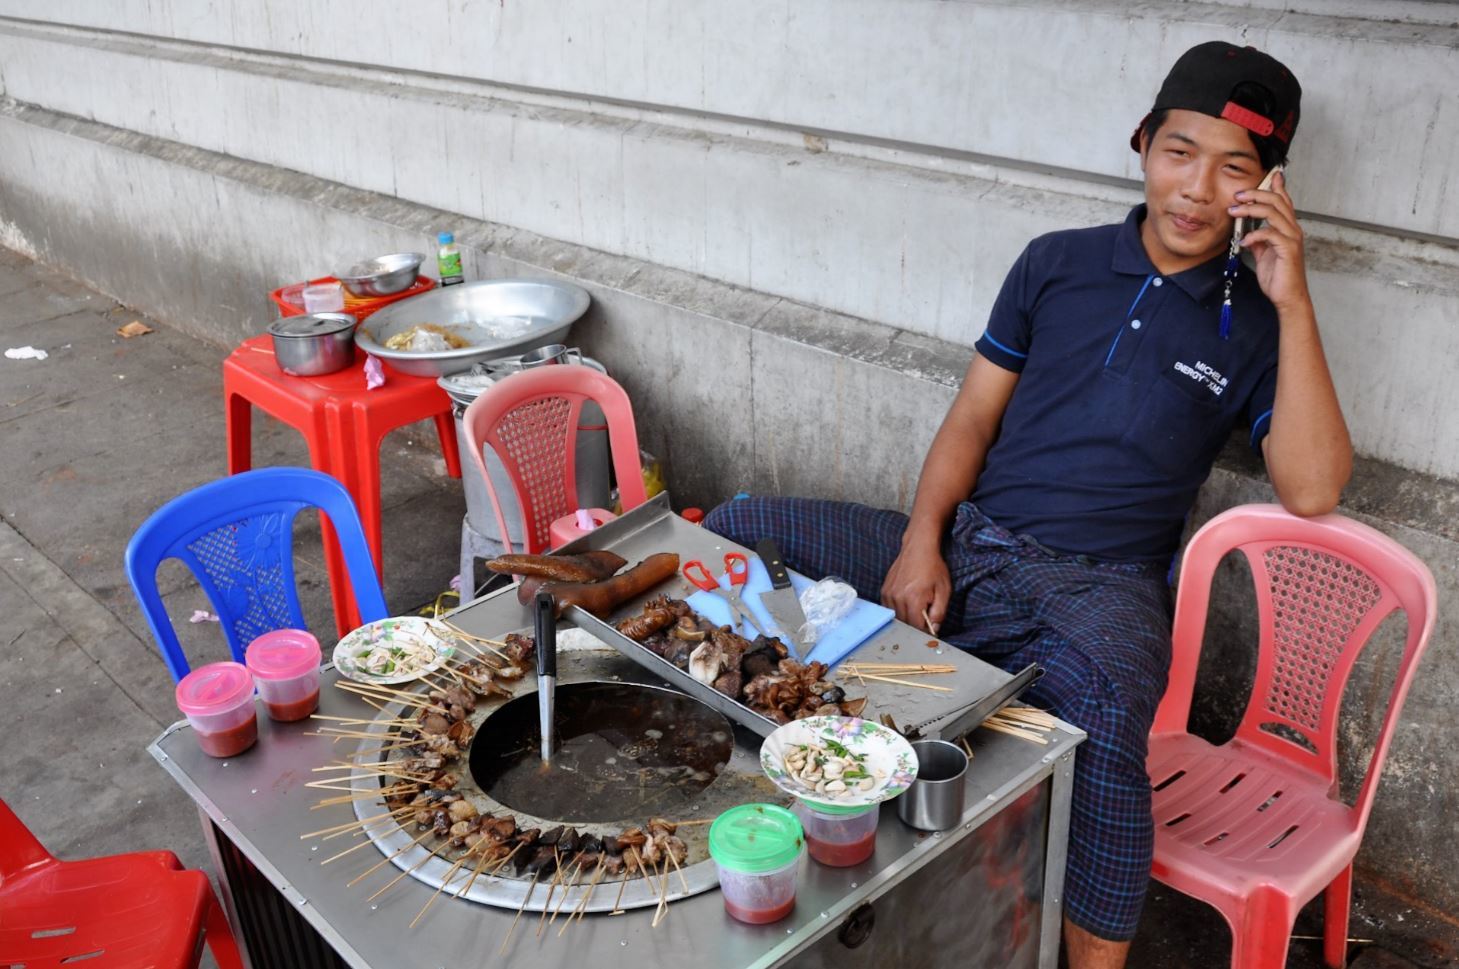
1176	425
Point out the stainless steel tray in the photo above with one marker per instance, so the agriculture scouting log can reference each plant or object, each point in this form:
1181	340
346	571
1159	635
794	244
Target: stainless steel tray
661	667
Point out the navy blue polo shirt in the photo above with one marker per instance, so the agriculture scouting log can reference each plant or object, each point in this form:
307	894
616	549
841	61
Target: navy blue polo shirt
1126	391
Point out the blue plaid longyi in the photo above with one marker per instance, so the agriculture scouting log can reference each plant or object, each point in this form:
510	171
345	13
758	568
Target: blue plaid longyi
1100	630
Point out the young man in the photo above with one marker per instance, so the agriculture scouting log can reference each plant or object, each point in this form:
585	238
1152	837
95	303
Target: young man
1116	362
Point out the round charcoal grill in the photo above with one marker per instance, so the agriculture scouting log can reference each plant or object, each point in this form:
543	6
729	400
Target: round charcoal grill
628	751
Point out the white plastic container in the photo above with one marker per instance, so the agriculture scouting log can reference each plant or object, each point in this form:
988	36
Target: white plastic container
285	667
217	700
757	849
323	298
840	840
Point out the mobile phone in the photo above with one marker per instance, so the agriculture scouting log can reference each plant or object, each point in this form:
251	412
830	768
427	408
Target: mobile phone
1241	223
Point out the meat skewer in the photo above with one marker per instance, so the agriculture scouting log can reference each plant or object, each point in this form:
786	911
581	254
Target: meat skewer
522	908
384	861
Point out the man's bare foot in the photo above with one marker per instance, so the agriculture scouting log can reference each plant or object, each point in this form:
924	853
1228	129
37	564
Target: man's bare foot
1089	951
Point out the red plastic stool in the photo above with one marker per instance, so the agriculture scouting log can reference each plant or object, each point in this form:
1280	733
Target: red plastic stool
140	909
343	423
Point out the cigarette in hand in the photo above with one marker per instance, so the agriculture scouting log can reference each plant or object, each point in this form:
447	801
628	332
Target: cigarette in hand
931	626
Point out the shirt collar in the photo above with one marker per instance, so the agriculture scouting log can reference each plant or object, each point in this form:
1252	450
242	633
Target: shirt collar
1200	283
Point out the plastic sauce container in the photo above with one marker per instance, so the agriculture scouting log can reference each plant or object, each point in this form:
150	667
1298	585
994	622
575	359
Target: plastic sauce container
218	701
757	849
285	666
840	839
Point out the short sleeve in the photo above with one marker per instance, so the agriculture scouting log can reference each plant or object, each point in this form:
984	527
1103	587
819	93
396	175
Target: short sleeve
1009	334
1259	407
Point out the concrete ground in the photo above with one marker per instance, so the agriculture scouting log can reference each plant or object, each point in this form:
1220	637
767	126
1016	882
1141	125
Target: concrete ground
104	431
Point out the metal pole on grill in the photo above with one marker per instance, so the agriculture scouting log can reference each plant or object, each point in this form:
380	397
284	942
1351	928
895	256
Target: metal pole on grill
545	628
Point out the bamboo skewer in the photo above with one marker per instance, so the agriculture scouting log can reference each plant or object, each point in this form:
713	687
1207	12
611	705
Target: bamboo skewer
998	727
351	824
395	816
522	908
618	902
435	852
576	874
662	908
392	791
900	668
385	861
583	905
450	876
352	734
551	889
472	640
899	682
348	850
480	864
363	721
682	880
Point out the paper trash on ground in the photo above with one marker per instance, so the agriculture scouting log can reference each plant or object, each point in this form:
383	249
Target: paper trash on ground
25	353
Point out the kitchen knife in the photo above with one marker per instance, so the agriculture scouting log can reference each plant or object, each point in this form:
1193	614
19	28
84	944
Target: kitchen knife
782	603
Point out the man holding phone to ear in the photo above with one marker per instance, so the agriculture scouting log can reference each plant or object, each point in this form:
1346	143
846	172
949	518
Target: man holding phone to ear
1116	362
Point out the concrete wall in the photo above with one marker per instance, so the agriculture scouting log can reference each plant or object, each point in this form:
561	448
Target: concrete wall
805	207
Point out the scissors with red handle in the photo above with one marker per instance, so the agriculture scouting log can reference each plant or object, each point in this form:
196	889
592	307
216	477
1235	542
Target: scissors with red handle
737	567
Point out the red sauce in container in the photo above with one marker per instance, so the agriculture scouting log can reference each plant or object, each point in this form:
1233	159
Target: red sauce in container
841	854
296	710
759	916
232	741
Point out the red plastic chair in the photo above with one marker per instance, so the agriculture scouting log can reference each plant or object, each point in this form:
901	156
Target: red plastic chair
119	912
1255	827
531	420
343	423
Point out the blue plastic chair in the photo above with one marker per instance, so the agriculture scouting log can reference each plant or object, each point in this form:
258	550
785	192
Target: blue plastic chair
236	534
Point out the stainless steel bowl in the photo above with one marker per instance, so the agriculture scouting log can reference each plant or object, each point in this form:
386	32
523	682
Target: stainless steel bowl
319	343
496	317
382	276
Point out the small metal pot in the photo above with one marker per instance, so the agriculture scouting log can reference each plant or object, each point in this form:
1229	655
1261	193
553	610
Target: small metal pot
319	343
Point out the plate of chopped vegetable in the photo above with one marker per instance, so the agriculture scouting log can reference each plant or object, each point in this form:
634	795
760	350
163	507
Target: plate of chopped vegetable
395	650
838	763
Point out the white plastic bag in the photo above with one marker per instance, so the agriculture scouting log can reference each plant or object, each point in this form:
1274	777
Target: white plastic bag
826	603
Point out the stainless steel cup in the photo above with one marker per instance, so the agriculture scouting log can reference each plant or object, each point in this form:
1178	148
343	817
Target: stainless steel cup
934	802
543	356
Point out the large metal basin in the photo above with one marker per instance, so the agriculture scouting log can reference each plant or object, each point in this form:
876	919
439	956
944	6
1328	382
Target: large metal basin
497	317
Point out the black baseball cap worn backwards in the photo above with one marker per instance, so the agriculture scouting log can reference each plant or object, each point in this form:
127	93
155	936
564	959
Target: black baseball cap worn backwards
1205	78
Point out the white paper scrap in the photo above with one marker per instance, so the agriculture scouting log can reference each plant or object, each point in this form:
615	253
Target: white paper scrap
25	353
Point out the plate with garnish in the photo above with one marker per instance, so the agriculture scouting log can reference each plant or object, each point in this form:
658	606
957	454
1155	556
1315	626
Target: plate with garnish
838	763
394	650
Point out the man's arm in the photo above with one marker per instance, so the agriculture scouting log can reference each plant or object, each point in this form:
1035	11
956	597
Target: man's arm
919	579
1308	452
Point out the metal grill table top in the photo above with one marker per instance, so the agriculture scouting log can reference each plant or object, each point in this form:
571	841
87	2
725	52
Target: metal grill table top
260	803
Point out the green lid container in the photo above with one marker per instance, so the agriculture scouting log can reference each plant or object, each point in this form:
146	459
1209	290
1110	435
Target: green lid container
755	838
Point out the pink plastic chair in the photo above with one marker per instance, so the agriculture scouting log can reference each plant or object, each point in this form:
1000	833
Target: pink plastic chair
1254	827
531	420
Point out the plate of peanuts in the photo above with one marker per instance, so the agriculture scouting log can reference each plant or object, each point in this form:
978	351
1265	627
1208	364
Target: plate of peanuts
838	762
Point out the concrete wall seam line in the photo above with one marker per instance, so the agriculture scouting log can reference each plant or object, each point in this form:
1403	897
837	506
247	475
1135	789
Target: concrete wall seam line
865	341
1393	417
1425	217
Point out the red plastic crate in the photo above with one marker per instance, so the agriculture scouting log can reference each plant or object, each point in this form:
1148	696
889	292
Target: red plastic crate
291	303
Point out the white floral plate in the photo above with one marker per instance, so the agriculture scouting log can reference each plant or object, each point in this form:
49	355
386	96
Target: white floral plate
395	632
885	755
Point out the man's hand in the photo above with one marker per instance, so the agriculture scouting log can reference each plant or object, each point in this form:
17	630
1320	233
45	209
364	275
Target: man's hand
917	584
1277	246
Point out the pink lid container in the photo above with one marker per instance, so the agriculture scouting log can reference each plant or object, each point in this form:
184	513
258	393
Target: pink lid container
285	664
284	654
217	688
218	702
